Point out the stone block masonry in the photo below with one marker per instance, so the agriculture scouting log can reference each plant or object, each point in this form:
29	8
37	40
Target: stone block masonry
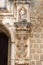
36	36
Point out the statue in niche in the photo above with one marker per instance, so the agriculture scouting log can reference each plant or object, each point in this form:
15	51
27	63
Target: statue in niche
22	13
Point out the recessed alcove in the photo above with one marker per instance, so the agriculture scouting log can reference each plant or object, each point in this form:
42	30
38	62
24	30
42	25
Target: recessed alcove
5	45
3	49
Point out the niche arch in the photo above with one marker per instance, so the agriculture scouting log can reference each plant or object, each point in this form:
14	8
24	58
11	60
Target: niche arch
6	31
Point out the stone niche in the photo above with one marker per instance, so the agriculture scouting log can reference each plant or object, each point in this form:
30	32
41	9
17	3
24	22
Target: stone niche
22	29
23	11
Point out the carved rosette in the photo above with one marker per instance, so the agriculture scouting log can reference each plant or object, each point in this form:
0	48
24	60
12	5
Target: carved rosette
21	33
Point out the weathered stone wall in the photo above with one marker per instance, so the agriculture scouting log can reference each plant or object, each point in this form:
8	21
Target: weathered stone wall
36	36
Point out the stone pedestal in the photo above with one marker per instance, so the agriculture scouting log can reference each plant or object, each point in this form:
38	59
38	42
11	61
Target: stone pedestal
22	29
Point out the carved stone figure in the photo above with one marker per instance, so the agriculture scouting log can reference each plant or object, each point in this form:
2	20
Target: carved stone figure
22	13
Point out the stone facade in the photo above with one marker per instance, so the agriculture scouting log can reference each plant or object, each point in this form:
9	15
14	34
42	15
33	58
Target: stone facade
36	35
24	22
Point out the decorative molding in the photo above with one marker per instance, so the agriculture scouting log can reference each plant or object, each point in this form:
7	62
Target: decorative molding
22	33
23	11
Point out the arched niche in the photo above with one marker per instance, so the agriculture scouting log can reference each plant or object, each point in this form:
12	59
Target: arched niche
6	31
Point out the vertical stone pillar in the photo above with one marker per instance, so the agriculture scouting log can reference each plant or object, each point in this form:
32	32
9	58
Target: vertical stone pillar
22	29
13	48
28	48
12	53
9	52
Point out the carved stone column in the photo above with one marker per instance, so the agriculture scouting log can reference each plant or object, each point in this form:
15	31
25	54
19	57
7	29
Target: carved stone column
22	29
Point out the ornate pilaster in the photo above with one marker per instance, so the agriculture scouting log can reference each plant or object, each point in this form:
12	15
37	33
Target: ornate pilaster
22	29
